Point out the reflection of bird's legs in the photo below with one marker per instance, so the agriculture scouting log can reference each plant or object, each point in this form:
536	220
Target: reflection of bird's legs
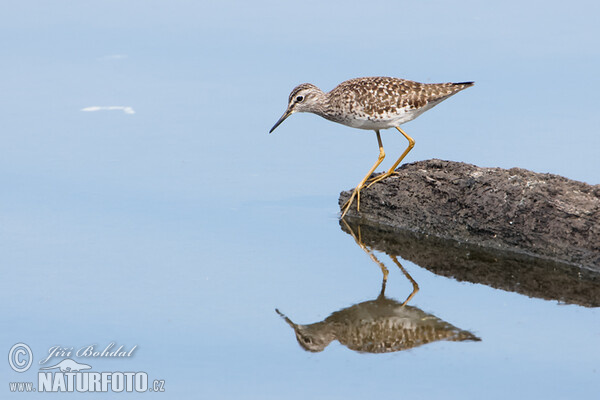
356	192
384	270
392	170
382	293
359	242
414	284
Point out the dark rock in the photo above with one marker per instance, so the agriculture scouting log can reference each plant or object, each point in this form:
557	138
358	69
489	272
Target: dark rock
516	210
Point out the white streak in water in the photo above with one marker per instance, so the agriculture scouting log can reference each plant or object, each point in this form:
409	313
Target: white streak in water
125	109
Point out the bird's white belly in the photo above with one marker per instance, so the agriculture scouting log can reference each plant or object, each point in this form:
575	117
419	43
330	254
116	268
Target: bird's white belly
383	122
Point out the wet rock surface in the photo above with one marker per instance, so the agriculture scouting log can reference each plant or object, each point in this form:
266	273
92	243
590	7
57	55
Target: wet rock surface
516	210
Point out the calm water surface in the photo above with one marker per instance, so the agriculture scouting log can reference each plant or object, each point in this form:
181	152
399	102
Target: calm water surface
180	228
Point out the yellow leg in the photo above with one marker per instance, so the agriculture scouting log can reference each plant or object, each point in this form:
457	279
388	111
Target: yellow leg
356	192
410	278
363	246
391	171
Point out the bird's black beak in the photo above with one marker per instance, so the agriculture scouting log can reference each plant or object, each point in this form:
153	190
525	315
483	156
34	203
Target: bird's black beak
286	114
289	321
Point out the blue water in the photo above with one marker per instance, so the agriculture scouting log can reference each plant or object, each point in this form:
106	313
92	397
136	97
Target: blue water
180	228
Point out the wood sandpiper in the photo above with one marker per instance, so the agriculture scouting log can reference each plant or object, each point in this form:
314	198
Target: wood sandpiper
371	103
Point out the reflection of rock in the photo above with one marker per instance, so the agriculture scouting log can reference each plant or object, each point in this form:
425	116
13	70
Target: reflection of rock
517	210
377	326
509	271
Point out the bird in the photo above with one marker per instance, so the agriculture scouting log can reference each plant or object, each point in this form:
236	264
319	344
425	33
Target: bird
371	103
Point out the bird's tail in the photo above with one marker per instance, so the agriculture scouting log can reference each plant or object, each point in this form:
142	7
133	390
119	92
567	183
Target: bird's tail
464	85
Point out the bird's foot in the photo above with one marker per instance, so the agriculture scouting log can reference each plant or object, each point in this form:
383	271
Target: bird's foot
381	177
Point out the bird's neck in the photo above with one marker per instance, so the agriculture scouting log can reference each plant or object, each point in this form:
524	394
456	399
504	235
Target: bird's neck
321	106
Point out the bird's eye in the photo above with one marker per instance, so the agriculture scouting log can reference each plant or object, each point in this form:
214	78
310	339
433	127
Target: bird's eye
299	98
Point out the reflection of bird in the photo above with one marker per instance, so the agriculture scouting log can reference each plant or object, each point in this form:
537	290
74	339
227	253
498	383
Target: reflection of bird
378	326
382	325
374	104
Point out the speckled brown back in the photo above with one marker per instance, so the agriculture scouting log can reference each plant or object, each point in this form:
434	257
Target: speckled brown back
382	96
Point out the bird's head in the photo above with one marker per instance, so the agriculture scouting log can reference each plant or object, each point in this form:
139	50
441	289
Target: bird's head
314	337
304	98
